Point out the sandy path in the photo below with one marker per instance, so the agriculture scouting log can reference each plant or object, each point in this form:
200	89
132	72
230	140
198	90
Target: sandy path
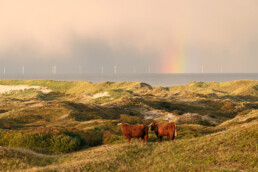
28	151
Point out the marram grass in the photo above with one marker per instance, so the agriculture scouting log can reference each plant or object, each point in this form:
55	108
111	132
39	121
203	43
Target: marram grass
234	149
227	143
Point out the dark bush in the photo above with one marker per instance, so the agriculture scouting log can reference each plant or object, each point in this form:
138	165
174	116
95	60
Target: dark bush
43	142
112	127
93	137
109	138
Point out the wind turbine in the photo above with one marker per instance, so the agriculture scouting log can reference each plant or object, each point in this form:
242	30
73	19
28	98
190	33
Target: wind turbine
80	69
54	69
149	70
102	69
115	70
23	70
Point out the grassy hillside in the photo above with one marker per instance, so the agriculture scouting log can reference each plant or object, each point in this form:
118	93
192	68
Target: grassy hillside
240	87
216	122
233	149
75	87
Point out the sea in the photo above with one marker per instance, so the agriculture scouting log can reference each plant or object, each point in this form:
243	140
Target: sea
154	79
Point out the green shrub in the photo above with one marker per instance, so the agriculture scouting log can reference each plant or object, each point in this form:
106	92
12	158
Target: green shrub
63	143
109	138
93	137
112	127
43	142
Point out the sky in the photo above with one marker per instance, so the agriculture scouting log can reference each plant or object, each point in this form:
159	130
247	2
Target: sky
165	36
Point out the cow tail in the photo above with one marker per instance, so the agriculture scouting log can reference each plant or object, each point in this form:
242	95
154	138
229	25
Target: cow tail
175	130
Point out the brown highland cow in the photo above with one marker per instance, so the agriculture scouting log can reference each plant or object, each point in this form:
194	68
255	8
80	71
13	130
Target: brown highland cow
135	131
161	130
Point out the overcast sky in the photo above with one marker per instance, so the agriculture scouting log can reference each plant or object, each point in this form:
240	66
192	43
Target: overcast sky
165	36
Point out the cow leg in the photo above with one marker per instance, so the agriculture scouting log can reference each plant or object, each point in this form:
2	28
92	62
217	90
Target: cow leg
129	139
171	137
160	138
146	138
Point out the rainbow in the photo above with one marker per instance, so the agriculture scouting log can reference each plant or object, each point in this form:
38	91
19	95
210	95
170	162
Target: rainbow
174	60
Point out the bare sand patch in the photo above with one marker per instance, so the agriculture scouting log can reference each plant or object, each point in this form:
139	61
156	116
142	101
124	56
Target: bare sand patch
150	114
156	114
95	96
9	88
64	116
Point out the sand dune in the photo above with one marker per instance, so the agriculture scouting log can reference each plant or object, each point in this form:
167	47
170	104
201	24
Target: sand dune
9	88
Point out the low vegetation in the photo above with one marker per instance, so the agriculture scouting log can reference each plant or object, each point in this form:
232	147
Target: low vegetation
64	142
74	126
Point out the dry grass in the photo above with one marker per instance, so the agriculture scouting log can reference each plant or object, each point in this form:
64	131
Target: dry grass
234	149
229	146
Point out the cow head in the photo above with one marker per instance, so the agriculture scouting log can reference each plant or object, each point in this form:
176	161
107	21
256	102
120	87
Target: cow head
153	125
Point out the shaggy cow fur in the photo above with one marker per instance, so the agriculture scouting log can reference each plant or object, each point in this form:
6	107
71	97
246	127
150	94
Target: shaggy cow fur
135	131
161	130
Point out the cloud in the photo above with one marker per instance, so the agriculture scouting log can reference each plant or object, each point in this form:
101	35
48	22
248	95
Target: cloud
123	32
89	54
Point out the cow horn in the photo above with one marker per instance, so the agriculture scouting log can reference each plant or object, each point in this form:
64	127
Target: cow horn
150	124
119	124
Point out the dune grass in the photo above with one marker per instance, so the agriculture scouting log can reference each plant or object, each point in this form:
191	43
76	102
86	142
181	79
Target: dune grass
17	159
233	149
240	87
75	87
229	145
